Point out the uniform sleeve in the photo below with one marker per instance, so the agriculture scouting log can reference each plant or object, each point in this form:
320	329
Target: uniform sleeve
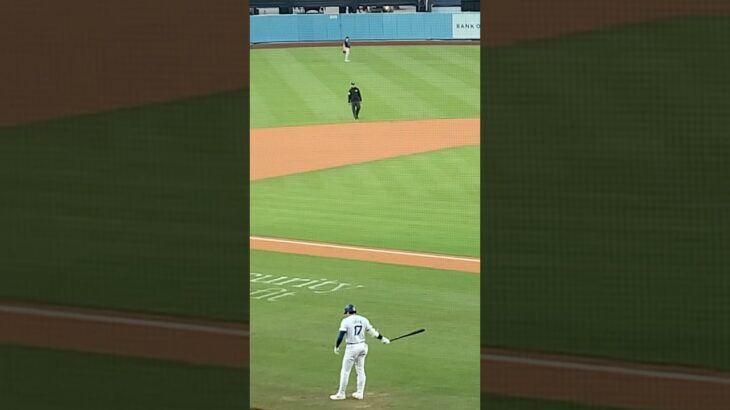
340	336
343	328
371	330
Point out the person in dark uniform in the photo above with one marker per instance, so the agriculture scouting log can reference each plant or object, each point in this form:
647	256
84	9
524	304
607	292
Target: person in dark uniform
346	49
354	98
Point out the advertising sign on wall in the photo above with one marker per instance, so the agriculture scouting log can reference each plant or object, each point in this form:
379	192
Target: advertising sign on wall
465	25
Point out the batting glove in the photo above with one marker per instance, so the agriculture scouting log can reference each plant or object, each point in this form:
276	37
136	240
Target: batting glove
385	340
337	350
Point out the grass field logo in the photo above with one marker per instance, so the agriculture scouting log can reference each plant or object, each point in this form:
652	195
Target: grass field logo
275	289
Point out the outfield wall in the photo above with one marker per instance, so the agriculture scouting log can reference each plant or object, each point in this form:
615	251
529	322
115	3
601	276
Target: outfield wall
365	26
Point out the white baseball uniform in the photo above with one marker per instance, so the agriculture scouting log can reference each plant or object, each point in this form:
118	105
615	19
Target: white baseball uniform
346	49
355	327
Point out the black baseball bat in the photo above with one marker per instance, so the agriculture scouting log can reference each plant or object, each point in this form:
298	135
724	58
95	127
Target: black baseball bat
415	332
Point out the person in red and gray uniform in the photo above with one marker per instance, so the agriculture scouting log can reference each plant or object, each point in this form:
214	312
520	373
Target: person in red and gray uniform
354	98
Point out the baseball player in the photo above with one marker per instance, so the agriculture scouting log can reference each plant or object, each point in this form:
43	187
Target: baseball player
352	329
346	49
354	98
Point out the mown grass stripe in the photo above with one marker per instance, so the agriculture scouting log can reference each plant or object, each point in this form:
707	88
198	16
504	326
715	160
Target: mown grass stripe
284	95
318	97
445	69
352	72
421	97
400	92
466	58
263	111
440	82
432	213
390	91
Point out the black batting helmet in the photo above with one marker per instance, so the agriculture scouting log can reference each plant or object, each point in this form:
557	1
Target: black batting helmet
350	308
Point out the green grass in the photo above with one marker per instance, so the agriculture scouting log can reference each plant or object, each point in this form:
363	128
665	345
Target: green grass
140	209
308	85
607	194
497	402
39	379
425	202
292	363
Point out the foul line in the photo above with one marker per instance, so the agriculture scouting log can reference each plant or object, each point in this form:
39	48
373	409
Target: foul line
606	369
358	248
88	317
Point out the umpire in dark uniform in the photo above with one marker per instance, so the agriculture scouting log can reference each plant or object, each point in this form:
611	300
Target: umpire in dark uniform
354	97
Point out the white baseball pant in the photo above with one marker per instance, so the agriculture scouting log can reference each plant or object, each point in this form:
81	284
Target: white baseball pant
354	355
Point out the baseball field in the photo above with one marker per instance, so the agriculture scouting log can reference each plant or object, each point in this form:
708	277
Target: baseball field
382	213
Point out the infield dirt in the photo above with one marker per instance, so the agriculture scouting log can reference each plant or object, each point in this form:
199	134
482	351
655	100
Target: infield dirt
310	148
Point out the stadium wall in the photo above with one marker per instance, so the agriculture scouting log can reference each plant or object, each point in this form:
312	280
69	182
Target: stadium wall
333	27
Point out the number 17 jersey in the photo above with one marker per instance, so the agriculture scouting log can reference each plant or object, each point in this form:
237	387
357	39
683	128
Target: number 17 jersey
355	326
